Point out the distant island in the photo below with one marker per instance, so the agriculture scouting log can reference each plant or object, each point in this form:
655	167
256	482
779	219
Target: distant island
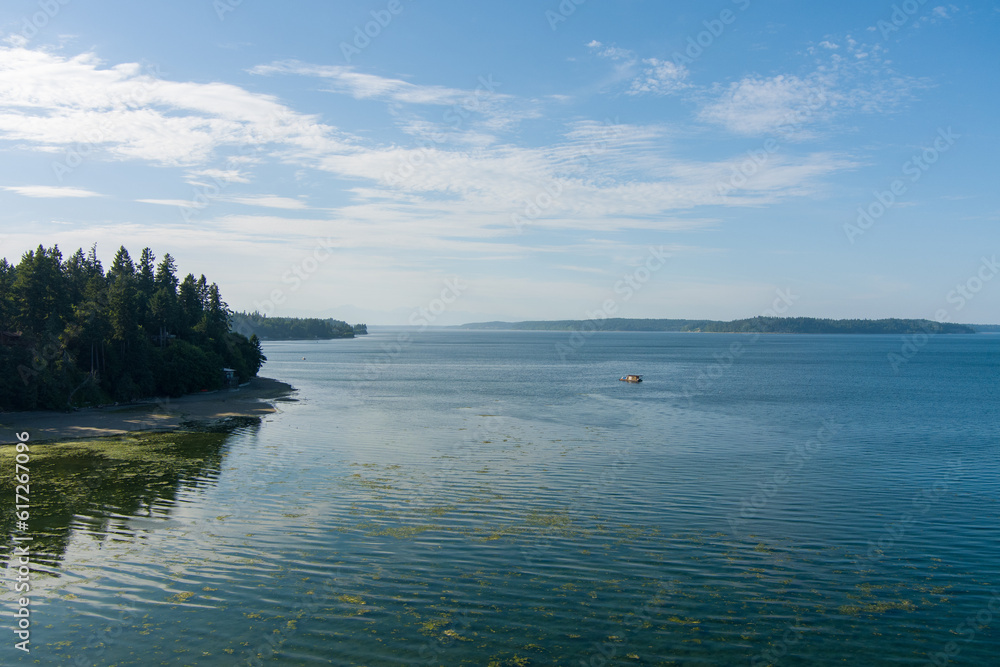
73	334
777	325
294	328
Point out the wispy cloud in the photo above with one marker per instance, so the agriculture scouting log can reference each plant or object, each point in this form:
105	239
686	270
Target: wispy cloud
644	76
50	191
343	79
659	77
197	176
755	106
483	99
581	269
270	201
945	12
457	193
125	111
166	202
858	79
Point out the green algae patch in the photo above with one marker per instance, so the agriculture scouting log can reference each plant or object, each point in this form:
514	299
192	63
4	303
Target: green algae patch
547	519
350	599
121	475
400	531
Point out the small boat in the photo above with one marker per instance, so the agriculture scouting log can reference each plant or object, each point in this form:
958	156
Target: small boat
631	378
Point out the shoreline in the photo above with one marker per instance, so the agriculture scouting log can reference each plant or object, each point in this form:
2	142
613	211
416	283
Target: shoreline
169	414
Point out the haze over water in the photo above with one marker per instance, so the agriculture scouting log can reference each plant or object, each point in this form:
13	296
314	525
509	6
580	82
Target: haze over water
473	498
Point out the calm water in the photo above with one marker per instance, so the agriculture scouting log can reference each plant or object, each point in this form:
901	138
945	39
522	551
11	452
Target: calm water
476	498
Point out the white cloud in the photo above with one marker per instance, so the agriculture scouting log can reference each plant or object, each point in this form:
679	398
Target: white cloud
456	196
125	111
793	107
581	269
659	77
359	85
481	104
756	106
646	76
168	202
611	52
50	191
270	201
220	175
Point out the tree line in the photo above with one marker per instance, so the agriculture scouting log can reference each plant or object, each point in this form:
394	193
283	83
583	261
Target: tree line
73	334
294	328
784	325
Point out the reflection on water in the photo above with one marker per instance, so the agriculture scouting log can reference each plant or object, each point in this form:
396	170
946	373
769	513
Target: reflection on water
467	508
106	487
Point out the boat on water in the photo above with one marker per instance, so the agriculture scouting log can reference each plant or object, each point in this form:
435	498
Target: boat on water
630	378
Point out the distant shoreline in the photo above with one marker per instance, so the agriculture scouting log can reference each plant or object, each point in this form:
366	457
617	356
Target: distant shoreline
169	414
755	325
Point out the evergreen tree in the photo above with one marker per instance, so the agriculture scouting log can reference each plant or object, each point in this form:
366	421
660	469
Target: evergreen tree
123	299
145	285
90	336
94	267
40	298
216	315
77	275
6	295
189	301
166	274
122	266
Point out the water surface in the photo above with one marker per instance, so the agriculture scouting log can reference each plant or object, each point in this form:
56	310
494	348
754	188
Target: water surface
500	498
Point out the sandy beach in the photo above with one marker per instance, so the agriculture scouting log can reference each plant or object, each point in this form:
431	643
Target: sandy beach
253	400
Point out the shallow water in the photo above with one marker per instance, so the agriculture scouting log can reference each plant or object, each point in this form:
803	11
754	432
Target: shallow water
500	498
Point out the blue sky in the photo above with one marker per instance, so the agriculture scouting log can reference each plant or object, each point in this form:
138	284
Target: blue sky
517	160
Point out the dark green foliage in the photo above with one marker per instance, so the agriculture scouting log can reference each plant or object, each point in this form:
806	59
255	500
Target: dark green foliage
787	325
183	368
290	328
73	335
360	329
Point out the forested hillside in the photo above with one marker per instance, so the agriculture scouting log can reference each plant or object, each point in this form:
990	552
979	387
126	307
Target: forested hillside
786	325
74	334
294	328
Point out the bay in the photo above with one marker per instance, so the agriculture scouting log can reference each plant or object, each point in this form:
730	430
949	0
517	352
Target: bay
467	497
